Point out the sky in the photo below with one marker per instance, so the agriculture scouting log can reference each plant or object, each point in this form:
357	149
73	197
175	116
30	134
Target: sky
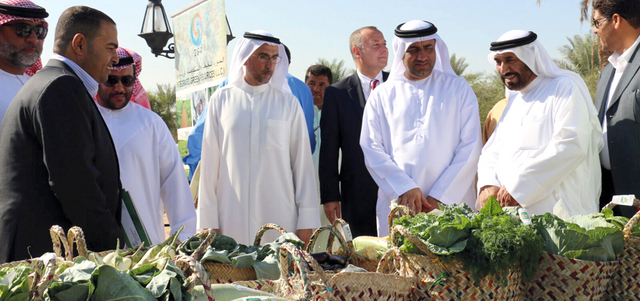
321	29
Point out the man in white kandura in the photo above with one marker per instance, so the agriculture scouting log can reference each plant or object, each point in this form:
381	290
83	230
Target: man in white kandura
421	128
150	166
256	163
543	154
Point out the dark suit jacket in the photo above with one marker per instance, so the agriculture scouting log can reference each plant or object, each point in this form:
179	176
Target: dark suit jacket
59	167
340	126
623	126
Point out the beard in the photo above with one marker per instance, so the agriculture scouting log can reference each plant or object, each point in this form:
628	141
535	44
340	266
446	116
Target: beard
116	104
16	57
519	81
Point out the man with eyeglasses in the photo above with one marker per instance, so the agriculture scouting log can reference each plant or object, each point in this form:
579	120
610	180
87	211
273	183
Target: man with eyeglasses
543	155
22	33
59	165
151	170
421	128
617	24
256	165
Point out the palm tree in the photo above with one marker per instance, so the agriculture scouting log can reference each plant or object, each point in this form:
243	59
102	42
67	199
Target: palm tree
337	68
585	15
163	103
580	55
459	65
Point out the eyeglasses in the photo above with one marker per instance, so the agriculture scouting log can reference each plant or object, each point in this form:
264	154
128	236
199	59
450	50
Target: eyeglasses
597	23
263	58
24	30
126	80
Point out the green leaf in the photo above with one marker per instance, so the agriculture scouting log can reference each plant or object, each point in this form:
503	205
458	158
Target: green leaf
590	221
244	261
607	213
216	256
80	271
67	291
114	285
455	248
446	236
492	207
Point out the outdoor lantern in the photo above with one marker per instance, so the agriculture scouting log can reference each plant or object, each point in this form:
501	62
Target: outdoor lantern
156	30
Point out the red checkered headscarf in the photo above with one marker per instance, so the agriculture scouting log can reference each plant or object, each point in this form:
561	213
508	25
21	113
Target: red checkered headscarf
139	95
7	17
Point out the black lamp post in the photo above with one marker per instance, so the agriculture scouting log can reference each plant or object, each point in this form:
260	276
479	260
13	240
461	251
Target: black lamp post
157	32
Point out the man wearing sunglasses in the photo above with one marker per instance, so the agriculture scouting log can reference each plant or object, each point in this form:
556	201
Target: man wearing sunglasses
59	165
617	24
22	33
151	169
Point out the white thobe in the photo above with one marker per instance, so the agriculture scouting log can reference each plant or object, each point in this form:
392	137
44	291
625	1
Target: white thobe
151	170
10	84
422	134
256	164
545	150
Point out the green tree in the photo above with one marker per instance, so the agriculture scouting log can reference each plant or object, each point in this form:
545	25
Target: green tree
489	89
581	56
459	65
163	103
338	70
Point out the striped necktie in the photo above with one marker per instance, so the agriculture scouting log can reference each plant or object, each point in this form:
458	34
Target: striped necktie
374	84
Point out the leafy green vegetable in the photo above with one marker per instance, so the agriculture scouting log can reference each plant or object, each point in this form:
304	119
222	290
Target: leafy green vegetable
167	285
488	242
112	284
586	237
15	283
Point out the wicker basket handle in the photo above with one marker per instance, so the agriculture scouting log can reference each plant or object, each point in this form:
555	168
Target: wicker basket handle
197	273
265	228
207	236
339	225
291	254
75	235
632	223
397	211
389	264
399	230
60	241
348	248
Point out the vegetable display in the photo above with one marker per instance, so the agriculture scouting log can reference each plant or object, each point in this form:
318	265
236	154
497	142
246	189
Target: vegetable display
488	242
224	249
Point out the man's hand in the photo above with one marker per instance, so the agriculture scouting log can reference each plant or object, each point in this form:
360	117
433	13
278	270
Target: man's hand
505	198
413	199
305	235
429	204
486	192
332	210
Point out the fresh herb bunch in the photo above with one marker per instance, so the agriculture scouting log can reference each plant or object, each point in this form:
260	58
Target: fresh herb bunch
501	242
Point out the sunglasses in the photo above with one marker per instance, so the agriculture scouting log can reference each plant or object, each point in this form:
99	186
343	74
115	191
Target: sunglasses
24	30
126	80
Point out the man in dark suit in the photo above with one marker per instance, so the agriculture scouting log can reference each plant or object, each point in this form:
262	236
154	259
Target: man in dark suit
617	24
59	165
340	126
